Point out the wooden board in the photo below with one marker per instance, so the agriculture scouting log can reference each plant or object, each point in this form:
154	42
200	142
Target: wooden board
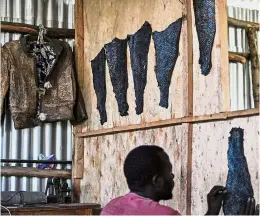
104	156
106	19
209	162
55	209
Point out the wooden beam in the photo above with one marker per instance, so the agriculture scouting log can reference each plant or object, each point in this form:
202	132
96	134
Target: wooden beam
236	58
189	6
20	28
78	158
34	172
78	147
252	43
242	24
245	55
222	43
171	122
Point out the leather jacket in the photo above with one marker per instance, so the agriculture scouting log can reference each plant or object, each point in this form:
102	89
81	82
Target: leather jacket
41	82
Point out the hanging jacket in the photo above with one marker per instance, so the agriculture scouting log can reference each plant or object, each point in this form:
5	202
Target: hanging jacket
41	82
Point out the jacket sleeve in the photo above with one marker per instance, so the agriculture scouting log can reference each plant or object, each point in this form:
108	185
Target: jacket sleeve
6	67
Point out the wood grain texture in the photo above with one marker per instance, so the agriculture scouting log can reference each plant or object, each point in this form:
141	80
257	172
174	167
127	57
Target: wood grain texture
106	19
56	209
209	163
211	92
78	158
21	28
242	24
105	155
34	172
79	49
171	122
252	43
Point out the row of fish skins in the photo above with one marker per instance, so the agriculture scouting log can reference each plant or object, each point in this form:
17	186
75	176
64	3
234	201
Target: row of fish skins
166	53
239	187
205	21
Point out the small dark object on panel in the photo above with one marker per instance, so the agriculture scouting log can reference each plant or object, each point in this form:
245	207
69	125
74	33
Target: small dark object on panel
239	187
166	51
205	21
139	47
98	65
117	64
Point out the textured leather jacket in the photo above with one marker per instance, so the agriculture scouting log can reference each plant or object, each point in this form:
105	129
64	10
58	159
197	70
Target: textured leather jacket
41	82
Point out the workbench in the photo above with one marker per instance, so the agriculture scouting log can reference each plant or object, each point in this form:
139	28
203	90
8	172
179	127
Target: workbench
55	209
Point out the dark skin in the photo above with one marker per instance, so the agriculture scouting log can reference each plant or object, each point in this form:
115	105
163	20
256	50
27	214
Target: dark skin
161	186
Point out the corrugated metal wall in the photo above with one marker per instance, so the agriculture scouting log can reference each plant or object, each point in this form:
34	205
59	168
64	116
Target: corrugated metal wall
240	74
48	139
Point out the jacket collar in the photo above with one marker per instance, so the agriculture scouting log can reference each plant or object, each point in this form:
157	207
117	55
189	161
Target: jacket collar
53	43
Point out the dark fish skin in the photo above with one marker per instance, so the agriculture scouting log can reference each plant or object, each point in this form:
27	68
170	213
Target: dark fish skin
98	65
239	187
205	21
117	64
139	47
166	53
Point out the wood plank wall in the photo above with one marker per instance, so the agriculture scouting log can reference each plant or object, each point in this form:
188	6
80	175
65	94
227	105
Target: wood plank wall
190	94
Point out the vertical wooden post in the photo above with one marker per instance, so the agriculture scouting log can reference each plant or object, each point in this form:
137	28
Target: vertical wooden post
223	45
190	104
78	146
252	42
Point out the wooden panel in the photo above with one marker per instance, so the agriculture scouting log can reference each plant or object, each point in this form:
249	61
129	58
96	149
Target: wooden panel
104	157
209	162
211	92
106	19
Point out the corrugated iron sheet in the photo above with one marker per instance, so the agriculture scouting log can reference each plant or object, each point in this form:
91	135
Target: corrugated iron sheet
48	139
240	74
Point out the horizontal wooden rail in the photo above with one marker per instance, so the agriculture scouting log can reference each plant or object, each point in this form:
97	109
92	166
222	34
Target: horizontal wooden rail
238	57
242	24
20	28
170	122
34	172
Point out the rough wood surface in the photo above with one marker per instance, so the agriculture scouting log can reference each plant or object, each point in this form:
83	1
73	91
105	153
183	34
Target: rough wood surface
209	162
78	158
252	42
104	157
34	172
21	28
104	20
189	4
56	209
171	122
235	58
211	92
242	24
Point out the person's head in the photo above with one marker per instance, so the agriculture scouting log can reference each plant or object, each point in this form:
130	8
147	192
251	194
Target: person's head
148	170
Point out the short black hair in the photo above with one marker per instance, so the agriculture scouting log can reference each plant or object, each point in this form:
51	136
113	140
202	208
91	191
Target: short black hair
141	165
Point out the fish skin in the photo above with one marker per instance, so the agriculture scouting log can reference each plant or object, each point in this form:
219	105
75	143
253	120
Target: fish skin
117	64
98	65
205	21
239	187
139	47
166	53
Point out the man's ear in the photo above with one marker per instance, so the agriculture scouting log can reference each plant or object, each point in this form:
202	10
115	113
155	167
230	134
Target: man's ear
158	182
